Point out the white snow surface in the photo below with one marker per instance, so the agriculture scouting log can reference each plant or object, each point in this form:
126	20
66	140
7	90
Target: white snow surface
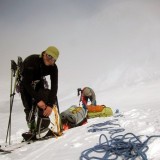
139	105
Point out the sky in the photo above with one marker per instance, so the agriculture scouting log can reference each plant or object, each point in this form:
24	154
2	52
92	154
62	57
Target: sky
97	40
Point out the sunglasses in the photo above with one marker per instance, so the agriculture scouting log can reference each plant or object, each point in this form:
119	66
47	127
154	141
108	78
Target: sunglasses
50	57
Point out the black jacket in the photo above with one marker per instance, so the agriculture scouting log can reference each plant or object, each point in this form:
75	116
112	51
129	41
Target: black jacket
33	68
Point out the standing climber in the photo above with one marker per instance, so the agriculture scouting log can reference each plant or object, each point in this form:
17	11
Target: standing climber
33	93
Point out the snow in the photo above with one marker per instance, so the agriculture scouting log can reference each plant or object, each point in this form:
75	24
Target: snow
124	75
140	119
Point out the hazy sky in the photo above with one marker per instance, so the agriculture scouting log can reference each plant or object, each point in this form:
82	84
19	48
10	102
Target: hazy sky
29	27
95	37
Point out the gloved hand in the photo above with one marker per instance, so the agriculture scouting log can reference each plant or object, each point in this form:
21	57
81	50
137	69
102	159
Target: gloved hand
47	111
41	105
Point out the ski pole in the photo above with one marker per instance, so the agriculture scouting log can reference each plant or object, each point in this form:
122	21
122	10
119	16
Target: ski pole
79	93
14	73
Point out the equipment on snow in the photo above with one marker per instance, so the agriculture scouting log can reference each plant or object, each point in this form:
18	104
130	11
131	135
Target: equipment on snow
49	126
73	117
15	72
97	108
97	112
10	148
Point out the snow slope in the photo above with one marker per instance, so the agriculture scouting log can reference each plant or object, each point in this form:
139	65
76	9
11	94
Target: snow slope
141	117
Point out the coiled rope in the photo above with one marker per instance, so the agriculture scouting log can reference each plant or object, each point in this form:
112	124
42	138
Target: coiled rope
127	146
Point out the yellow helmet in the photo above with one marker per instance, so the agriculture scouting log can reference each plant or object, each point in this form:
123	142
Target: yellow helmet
52	51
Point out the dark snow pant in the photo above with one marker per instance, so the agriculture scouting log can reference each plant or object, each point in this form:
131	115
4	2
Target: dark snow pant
31	106
28	101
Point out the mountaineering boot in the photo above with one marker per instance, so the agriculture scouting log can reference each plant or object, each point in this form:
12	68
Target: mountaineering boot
29	136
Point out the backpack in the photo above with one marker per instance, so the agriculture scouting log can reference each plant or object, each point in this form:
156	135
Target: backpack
99	111
73	116
97	108
49	126
46	126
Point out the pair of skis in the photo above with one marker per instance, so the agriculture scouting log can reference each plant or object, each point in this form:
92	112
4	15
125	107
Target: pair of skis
10	148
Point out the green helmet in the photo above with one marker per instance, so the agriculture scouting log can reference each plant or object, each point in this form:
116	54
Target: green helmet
52	51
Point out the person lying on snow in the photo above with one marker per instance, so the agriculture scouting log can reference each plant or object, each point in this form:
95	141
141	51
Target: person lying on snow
86	94
32	86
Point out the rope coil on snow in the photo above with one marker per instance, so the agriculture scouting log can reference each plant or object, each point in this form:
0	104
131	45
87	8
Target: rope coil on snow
127	146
